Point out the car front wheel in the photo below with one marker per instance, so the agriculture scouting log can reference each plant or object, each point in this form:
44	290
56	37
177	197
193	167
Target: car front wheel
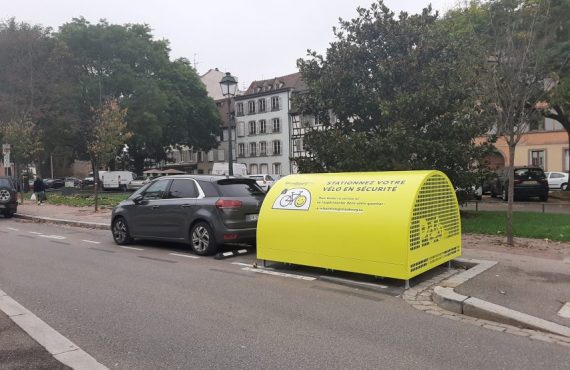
564	186
121	233
202	239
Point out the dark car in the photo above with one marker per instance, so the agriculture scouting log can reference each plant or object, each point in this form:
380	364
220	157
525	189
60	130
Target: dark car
203	211
528	182
8	197
54	183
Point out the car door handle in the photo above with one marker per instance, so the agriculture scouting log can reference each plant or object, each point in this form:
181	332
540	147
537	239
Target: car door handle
186	205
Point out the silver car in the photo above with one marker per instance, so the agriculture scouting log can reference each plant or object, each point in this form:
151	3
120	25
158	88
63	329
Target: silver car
203	211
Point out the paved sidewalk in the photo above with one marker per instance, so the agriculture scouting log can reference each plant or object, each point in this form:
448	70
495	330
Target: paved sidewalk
71	214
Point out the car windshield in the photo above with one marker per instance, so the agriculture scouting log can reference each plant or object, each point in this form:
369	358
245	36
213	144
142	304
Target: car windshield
5	182
529	174
239	188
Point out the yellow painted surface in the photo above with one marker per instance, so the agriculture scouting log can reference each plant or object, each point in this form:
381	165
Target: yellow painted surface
392	224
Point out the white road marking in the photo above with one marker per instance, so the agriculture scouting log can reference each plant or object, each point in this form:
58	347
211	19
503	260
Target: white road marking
184	255
11	228
133	248
241	264
565	311
225	254
35	232
58	237
242	251
275	273
90	241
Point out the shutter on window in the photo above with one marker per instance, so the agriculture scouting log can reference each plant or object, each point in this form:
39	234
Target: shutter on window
211	156
241	129
221	155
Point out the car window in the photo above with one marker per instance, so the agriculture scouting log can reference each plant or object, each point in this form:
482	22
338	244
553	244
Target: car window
183	188
155	190
257	178
556	175
5	182
208	188
239	188
269	178
529	174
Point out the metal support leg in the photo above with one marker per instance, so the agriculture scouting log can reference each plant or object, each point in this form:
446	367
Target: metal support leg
263	263
406	284
449	265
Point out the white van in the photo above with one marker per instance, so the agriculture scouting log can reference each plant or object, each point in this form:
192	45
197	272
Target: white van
117	179
223	169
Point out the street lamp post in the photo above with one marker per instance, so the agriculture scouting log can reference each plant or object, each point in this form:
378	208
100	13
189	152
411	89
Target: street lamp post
229	86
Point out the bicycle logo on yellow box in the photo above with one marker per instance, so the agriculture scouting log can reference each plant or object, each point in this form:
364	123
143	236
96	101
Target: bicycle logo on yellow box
293	199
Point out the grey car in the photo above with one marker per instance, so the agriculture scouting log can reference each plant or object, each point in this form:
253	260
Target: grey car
203	211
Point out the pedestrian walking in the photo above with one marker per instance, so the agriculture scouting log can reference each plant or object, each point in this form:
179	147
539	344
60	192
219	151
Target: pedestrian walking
39	190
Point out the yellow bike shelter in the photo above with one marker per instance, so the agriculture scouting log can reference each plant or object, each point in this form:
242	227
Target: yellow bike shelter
391	224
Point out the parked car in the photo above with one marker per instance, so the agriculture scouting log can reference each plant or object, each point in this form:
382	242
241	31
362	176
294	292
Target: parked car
529	182
54	183
557	180
264	181
200	210
138	183
8	196
88	181
76	182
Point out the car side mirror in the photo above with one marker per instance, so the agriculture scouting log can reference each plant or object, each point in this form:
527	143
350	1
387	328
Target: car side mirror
138	199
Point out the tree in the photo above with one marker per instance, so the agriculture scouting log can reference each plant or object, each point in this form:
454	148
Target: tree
167	104
107	135
25	139
37	83
515	78
557	55
401	93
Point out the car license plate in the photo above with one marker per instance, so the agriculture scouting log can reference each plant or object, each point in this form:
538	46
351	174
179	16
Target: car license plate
252	217
531	182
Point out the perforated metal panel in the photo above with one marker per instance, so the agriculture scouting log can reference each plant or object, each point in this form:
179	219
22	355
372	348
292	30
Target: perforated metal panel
434	219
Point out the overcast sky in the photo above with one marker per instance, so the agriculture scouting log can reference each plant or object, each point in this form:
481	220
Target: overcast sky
252	39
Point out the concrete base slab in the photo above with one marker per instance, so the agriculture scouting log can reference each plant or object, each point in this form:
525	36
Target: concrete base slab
565	311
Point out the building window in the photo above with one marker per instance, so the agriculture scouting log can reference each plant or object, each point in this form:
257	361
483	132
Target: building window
241	129
239	108
261	105
200	156
225	134
251	107
537	158
241	150
263	148
251	126
276	147
262	127
276	168
263	168
275	103
252	149
253	169
276	125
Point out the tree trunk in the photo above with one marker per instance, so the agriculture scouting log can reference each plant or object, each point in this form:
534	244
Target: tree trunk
511	193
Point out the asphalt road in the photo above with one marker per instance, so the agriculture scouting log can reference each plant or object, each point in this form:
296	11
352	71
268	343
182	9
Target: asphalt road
156	307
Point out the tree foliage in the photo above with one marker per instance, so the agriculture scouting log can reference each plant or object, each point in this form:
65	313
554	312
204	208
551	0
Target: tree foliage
400	91
37	83
167	104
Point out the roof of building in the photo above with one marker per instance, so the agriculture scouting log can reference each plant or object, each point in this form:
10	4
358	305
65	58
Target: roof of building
292	81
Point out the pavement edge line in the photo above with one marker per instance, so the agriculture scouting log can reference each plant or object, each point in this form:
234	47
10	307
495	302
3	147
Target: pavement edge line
61	348
445	296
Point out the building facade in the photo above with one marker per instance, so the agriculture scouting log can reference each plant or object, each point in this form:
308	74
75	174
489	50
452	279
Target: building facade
263	131
545	145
